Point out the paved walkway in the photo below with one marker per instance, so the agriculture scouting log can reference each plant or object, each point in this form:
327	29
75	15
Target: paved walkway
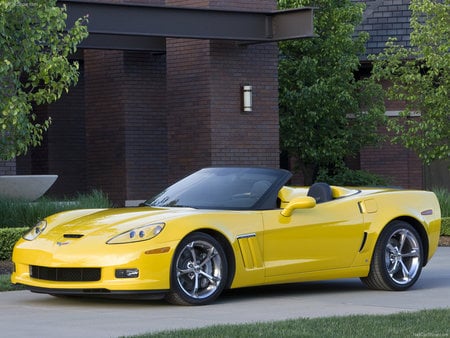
24	314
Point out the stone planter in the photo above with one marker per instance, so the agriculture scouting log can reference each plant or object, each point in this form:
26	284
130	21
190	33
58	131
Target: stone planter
25	187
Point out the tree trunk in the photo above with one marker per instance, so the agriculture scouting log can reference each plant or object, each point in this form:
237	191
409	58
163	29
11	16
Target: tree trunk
309	171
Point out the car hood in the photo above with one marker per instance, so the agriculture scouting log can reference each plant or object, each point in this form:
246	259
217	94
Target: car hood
110	221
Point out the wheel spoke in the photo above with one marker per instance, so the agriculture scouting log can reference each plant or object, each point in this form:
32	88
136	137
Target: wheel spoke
191	249
212	279
405	271
394	269
195	290
403	236
211	254
390	248
181	272
412	253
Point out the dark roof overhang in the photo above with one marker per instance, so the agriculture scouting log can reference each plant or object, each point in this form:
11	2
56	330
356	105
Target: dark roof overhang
145	27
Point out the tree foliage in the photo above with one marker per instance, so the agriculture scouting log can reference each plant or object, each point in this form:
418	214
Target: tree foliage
325	113
34	68
420	77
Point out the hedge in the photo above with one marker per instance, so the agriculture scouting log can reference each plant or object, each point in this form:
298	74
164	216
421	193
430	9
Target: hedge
9	237
445	226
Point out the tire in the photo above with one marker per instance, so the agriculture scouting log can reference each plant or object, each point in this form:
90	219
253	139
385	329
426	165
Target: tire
199	271
397	259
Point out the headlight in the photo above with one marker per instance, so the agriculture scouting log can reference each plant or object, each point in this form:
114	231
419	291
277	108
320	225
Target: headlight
139	234
35	231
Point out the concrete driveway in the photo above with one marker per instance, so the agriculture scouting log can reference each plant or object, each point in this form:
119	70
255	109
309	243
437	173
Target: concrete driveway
24	314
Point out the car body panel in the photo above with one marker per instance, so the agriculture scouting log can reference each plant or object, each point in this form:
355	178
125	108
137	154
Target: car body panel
325	237
335	239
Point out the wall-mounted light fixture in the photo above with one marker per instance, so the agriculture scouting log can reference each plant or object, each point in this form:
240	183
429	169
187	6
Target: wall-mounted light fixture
247	104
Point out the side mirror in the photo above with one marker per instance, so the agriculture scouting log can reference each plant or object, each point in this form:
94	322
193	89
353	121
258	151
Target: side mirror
305	202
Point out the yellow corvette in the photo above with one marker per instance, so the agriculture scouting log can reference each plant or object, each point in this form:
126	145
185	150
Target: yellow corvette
225	228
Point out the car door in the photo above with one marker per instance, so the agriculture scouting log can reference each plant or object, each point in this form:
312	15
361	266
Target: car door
327	236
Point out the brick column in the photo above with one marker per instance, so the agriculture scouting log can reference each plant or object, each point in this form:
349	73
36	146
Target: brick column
125	123
206	126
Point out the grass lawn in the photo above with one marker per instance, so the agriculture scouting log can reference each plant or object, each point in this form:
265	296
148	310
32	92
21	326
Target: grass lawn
427	323
5	283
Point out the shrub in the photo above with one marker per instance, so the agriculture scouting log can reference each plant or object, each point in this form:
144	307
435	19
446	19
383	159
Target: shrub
9	237
444	201
445	226
349	177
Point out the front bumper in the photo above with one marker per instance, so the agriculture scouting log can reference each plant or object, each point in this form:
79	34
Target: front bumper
61	270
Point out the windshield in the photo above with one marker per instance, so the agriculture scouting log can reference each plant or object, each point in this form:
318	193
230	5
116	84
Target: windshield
222	188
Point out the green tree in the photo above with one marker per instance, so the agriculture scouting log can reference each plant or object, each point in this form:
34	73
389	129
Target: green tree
325	113
420	77
34	68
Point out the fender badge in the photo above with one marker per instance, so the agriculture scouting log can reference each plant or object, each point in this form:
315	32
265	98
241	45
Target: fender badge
62	243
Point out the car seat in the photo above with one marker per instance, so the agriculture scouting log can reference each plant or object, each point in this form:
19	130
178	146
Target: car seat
321	192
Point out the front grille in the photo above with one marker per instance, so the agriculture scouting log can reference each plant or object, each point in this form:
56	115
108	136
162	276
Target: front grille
65	274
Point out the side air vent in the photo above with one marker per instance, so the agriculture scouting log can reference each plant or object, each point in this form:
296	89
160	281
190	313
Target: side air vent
363	241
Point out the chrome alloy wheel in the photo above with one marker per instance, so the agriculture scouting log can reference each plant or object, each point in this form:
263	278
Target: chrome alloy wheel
199	269
402	256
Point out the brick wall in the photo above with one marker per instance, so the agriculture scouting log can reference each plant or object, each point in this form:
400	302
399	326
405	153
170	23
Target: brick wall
402	166
62	151
7	167
66	142
244	138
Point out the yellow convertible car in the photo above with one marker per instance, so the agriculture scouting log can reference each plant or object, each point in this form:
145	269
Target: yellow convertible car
223	228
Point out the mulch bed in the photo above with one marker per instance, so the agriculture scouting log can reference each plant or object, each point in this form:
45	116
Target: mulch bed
444	241
6	267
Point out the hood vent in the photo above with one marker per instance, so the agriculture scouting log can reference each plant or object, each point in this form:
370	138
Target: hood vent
73	235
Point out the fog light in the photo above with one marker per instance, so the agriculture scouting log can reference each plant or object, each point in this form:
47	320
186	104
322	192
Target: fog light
127	273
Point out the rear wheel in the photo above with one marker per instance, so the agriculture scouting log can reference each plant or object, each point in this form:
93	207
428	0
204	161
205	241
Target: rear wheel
199	271
397	259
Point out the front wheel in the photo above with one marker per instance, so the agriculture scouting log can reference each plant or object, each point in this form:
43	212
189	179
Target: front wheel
199	271
397	259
